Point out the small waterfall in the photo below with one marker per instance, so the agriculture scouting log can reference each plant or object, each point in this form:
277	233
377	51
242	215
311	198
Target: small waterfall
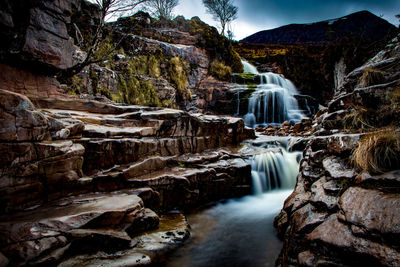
273	101
274	169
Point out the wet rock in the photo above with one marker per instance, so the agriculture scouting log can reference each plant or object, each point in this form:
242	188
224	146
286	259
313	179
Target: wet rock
388	180
173	230
127	258
342	144
307	218
306	258
357	204
149	247
93	240
43	38
20	121
280	223
320	197
336	168
26	235
28	250
146	220
213	95
368	252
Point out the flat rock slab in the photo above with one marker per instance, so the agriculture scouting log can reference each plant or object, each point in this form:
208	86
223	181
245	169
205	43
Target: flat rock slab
64	215
126	258
102	131
148	248
92	106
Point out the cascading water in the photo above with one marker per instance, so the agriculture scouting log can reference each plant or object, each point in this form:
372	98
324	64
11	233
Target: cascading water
240	232
276	169
273	101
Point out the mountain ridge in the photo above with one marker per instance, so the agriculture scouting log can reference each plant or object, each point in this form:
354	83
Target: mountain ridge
363	23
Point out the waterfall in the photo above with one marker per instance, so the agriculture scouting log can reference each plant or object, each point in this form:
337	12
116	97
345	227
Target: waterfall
274	169
273	101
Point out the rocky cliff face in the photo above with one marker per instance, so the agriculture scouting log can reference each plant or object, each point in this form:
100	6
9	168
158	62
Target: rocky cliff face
169	58
35	45
344	209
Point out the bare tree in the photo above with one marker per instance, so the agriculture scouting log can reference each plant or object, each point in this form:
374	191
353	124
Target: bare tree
222	10
107	8
162	8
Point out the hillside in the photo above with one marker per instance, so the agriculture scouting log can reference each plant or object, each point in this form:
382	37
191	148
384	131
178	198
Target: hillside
363	23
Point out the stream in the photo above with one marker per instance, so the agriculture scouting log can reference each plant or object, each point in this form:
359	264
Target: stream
240	232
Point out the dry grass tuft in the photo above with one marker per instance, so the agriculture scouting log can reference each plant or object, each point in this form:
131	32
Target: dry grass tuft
371	76
378	152
220	71
359	119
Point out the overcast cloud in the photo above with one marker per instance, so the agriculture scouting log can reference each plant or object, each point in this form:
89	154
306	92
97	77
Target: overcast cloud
257	15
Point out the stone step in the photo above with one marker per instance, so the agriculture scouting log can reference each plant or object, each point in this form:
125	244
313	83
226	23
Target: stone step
131	119
86	105
37	172
86	223
104	153
102	131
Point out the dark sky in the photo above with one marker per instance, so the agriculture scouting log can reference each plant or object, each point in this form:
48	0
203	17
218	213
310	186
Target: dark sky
256	15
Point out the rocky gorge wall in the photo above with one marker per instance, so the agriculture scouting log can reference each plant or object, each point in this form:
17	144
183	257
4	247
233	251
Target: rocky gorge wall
344	209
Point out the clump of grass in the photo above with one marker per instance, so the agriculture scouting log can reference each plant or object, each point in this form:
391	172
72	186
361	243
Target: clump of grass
359	119
395	96
247	75
75	85
94	80
178	75
219	70
252	86
153	64
371	76
133	90
378	152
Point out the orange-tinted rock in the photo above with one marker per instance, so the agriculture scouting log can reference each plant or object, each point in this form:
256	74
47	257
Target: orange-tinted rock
352	249
20	122
357	204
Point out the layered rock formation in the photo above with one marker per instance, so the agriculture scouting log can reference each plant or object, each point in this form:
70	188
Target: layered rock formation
339	215
138	157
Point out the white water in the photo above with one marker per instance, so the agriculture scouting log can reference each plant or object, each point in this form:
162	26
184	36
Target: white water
273	101
240	232
274	170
